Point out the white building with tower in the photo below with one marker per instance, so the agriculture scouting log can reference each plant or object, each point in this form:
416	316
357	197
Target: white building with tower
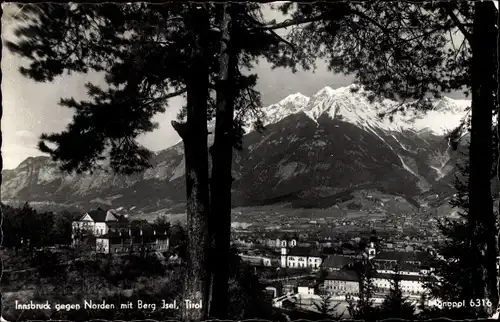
300	257
371	251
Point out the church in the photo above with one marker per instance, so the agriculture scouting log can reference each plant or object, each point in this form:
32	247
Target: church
301	257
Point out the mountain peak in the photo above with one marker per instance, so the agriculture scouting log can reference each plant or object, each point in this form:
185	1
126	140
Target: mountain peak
355	105
360	107
446	104
297	97
291	104
31	161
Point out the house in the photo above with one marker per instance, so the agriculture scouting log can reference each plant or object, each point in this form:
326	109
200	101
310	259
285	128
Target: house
306	287
409	284
256	260
142	240
289	286
300	257
271	290
341	282
98	223
107	233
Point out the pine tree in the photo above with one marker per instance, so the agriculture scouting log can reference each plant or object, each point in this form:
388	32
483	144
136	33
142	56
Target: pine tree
396	305
481	212
141	79
497	132
135	46
325	306
451	279
401	51
363	308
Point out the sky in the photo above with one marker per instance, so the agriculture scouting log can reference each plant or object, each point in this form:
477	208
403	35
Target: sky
31	108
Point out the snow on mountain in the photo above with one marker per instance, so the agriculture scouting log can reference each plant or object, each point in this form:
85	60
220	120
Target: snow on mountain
291	104
355	105
387	120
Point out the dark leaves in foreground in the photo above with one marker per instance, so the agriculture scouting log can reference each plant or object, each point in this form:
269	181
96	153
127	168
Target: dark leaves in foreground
143	50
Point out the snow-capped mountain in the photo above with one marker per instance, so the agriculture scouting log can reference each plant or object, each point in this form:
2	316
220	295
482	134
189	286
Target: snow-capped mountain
354	105
311	148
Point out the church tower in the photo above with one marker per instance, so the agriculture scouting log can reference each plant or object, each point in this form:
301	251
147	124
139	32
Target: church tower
283	256
372	249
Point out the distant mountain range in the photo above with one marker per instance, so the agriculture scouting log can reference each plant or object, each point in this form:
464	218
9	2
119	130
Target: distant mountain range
312	151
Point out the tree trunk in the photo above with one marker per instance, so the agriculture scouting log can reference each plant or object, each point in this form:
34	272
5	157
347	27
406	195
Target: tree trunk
221	180
482	220
497	312
194	135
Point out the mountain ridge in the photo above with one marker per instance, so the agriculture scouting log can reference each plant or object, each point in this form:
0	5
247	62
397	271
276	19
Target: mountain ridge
334	139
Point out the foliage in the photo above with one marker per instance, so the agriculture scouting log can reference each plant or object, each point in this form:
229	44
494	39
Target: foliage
161	224
178	240
134	45
452	261
363	308
247	299
96	278
395	305
27	228
325	307
399	51
403	51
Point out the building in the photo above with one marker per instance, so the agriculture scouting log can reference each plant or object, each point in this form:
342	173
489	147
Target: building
256	260
341	282
404	269
107	233
409	284
290	243
411	266
416	258
280	239
98	222
337	262
408	263
300	257
371	250
138	241
306	287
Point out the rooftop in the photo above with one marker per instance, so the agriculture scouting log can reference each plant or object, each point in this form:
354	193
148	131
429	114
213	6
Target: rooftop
337	261
343	275
306	283
101	215
304	251
402	277
390	265
399	256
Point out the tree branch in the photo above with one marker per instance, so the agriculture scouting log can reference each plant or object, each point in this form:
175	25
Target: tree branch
174	94
290	22
449	9
180	128
167	96
369	19
279	38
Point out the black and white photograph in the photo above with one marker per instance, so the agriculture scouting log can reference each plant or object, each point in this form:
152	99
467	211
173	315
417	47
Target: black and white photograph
279	161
